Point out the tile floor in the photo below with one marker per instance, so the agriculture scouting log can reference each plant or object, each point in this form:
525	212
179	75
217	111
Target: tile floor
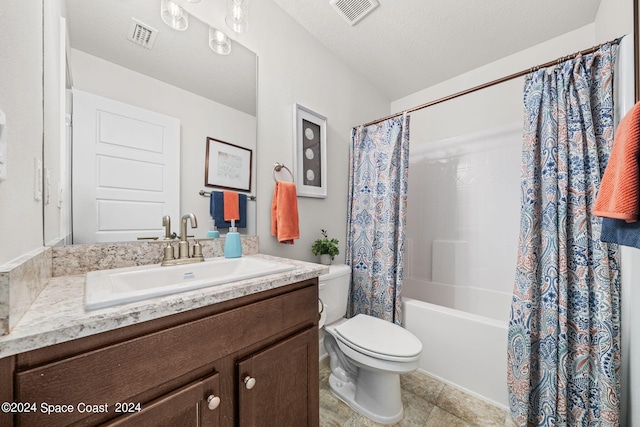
427	403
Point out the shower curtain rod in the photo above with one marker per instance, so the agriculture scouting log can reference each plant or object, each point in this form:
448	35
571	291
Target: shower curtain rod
511	77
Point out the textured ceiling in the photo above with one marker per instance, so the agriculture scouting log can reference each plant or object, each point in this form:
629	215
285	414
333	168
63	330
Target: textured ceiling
407	45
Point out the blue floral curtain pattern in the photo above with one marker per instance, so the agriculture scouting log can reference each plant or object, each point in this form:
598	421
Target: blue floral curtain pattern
376	218
564	329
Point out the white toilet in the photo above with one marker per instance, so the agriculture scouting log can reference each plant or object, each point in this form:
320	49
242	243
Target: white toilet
367	354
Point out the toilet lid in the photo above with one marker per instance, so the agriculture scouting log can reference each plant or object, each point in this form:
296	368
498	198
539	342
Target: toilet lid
379	336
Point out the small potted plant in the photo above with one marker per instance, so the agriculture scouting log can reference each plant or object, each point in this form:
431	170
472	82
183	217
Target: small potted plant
326	248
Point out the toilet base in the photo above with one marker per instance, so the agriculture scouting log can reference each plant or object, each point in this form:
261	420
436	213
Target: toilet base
363	397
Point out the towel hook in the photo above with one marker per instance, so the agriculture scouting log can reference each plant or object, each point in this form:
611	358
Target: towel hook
277	167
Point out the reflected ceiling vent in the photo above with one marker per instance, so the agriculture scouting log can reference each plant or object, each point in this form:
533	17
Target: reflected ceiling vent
353	11
142	34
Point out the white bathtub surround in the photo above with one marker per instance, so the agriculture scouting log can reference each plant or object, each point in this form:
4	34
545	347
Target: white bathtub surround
463	219
462	349
462	234
463	209
474	300
449	262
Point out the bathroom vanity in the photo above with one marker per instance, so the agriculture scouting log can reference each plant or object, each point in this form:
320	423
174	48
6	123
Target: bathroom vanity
249	359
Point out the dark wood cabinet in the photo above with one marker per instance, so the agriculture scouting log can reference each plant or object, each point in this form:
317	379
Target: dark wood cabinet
274	387
185	407
188	369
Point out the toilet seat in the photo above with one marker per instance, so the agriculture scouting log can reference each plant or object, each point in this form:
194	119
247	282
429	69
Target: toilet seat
379	339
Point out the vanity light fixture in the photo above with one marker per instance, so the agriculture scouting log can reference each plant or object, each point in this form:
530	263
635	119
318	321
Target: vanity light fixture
177	18
219	42
174	15
237	15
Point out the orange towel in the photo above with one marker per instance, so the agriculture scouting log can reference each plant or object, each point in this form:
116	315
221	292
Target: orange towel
284	212
619	194
231	205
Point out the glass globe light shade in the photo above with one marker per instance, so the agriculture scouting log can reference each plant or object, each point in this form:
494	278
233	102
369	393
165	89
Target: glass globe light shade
173	15
219	42
237	15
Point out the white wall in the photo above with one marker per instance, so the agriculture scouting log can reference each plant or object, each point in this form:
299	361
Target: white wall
21	100
614	19
295	68
199	118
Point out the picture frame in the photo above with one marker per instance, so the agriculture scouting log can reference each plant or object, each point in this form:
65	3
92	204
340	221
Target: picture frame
310	142
227	166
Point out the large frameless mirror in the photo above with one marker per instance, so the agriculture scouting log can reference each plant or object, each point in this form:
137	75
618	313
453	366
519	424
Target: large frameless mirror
132	80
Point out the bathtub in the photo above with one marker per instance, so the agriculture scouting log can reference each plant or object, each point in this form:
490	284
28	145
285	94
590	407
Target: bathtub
465	349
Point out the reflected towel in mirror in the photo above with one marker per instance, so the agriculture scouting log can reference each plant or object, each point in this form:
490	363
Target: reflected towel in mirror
231	205
216	210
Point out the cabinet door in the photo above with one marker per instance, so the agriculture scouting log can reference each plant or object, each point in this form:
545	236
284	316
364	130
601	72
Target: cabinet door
185	407
279	385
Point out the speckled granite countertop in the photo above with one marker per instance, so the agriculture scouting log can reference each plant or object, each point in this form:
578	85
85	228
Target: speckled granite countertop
58	314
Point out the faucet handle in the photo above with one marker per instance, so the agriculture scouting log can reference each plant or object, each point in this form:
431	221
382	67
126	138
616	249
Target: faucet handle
197	249
168	252
166	223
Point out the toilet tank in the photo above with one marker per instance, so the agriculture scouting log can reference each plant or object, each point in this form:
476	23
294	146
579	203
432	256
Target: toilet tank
334	291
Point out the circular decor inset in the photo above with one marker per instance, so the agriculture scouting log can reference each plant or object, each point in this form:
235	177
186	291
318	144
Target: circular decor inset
308	153
308	133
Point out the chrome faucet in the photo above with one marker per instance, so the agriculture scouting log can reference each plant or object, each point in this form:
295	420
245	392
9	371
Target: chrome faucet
184	252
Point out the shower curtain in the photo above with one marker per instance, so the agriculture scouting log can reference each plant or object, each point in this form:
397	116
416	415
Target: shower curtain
564	329
376	217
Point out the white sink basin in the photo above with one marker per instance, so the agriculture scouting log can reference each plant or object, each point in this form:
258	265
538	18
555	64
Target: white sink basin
106	288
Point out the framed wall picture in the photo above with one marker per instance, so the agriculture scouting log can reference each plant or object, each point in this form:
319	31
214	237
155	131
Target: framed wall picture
310	133
227	166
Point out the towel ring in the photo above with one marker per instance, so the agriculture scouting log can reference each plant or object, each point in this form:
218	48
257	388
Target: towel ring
277	167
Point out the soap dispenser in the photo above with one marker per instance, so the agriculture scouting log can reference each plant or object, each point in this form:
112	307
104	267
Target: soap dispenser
232	245
213	230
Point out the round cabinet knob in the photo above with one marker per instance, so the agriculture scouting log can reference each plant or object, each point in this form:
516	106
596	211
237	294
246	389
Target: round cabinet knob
249	382
214	402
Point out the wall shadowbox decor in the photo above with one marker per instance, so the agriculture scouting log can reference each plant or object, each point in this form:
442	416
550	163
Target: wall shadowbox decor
227	166
310	133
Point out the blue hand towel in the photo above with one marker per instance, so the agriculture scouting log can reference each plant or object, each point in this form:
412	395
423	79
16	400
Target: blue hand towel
216	210
621	232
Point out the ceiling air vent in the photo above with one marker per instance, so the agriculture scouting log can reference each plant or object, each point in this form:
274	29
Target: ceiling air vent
353	10
142	34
